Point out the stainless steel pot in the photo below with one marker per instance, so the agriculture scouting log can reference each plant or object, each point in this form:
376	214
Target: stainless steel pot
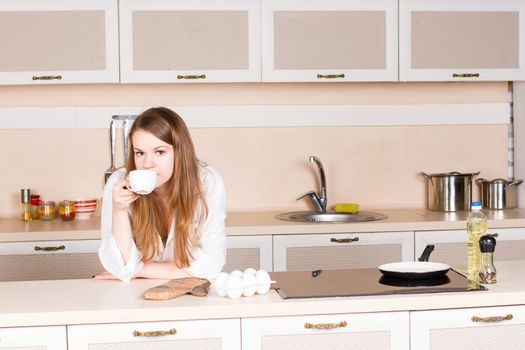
498	193
449	191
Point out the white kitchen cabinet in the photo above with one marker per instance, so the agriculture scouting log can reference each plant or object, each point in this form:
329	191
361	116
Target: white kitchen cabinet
341	250
188	41
222	334
243	252
329	41
375	331
33	338
451	245
49	260
58	41
468	329
468	40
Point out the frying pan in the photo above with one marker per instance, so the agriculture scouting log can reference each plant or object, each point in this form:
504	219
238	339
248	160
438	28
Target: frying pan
416	270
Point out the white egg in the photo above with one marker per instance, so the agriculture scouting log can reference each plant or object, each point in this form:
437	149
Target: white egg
250	270
249	283
236	273
219	284
263	282
234	286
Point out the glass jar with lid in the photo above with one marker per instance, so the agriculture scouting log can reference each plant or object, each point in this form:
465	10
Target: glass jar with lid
66	210
46	210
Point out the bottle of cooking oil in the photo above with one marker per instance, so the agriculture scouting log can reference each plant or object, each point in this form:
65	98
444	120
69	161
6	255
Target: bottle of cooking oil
476	227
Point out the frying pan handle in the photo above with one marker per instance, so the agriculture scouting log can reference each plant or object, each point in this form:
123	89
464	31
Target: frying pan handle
426	253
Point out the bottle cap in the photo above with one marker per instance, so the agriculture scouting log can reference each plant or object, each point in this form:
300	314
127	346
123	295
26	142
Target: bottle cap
487	244
25	195
476	205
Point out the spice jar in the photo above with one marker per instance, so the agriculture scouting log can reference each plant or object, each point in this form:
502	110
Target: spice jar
66	210
35	202
487	270
46	210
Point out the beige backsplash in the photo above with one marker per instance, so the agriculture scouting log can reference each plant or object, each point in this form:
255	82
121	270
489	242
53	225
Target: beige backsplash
264	168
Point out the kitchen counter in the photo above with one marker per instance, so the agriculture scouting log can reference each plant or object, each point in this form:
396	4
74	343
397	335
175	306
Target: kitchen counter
60	302
264	223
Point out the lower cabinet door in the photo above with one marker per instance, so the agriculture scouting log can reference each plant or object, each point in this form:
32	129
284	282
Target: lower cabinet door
49	260
341	250
33	338
183	335
451	245
469	329
373	331
243	252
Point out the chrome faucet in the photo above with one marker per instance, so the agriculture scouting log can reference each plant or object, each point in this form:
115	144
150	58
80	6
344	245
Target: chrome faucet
318	200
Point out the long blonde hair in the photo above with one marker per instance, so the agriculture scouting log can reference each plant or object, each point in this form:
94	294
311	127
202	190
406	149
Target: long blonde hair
186	202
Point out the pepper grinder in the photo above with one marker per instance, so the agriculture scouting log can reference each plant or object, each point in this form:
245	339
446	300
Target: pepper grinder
487	271
25	207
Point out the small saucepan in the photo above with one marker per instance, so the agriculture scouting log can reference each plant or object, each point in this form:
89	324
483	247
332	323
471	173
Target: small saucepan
412	270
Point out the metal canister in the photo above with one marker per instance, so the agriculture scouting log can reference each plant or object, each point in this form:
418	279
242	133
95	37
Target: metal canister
450	191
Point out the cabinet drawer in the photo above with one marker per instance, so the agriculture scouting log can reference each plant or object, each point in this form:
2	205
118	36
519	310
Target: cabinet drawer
339	251
183	335
378	331
243	252
33	338
476	328
46	260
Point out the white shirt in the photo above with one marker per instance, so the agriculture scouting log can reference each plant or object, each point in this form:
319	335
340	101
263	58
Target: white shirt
208	258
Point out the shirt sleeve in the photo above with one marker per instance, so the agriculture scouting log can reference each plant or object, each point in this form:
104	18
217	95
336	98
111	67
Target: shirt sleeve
209	258
109	253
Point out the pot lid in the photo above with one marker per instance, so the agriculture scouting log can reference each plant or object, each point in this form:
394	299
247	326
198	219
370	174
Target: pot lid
500	181
452	173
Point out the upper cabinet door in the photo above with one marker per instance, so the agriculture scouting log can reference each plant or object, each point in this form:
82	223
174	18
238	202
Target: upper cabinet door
329	40
451	40
190	41
58	41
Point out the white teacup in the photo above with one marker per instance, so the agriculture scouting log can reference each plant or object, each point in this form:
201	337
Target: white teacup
142	181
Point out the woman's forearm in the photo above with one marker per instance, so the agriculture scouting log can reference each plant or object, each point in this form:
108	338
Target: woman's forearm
163	270
121	230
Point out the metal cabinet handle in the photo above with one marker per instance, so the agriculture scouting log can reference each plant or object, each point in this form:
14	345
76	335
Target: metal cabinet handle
492	318
202	76
50	249
47	77
341	324
330	76
344	240
154	333
495	235
465	75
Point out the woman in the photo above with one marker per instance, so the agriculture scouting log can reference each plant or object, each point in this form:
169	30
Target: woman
177	230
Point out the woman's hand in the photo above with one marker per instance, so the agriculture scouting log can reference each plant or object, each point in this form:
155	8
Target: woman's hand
105	276
123	196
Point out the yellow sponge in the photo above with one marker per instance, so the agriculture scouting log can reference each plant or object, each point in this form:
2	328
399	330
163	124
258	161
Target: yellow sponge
351	208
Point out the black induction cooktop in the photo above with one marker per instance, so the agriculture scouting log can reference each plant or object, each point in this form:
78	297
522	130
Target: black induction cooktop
360	282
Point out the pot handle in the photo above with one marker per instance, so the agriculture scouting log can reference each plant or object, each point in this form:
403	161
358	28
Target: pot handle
514	183
429	178
474	175
480	181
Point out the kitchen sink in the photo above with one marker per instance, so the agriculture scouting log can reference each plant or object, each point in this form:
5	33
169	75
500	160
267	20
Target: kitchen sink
312	216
